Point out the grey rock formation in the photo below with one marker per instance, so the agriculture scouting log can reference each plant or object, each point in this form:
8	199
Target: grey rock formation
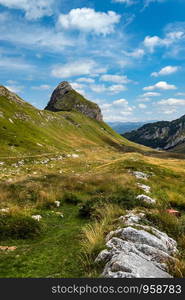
65	98
146	199
137	253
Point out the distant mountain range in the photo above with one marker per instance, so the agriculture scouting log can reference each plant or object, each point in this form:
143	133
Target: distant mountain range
122	127
163	135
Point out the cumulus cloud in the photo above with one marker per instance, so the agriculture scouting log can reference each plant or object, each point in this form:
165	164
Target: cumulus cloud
152	42
168	70
142	105
76	68
118	110
88	20
172	101
161	85
33	9
115	78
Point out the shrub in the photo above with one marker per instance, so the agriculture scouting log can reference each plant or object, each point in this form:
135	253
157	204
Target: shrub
71	198
18	227
88	208
126	198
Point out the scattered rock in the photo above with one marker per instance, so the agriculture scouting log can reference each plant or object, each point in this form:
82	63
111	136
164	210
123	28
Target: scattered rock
132	218
141	175
144	187
75	155
57	203
5	210
37	217
146	199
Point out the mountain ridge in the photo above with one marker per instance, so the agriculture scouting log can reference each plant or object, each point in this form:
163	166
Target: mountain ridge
164	135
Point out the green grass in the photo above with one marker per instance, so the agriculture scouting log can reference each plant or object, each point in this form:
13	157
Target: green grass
55	254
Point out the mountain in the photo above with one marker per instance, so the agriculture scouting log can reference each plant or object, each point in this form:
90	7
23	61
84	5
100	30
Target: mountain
65	98
162	135
122	127
27	130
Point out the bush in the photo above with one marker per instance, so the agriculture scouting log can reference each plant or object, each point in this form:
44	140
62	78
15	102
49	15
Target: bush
71	198
88	208
18	227
126	198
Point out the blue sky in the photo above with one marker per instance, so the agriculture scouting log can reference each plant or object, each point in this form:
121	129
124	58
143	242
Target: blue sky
126	55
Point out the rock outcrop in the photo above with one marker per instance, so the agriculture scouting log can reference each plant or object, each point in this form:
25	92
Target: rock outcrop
4	92
137	251
162	135
65	98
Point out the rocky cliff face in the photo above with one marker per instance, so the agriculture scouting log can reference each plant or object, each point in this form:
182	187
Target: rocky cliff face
65	98
161	135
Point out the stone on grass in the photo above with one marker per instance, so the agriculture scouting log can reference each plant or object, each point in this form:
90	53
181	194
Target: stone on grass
146	199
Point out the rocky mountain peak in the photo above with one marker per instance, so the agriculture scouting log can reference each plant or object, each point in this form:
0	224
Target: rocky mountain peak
65	98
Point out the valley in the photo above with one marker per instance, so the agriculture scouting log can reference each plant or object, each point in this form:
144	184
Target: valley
59	201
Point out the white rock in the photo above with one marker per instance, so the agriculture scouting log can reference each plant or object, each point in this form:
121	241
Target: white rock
5	210
144	187
57	203
141	175
146	199
132	218
37	217
75	155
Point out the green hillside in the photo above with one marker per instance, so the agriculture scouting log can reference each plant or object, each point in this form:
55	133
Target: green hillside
27	130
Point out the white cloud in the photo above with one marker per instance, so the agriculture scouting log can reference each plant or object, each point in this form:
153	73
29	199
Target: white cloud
32	35
86	80
150	94
88	20
169	111
151	42
161	85
142	105
42	87
121	101
118	110
33	9
76	68
166	71
113	89
115	78
8	63
117	88
127	2
148	2
180	94
138	53
172	101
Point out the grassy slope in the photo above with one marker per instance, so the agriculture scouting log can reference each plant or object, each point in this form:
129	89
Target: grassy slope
26	130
